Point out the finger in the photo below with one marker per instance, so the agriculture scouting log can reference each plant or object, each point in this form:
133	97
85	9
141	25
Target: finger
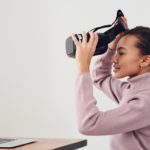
116	22
84	37
91	39
124	18
118	36
122	33
76	42
95	43
125	21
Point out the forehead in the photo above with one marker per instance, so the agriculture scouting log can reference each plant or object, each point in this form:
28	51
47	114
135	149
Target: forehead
127	42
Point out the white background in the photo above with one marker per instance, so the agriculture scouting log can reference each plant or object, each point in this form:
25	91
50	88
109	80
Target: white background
37	78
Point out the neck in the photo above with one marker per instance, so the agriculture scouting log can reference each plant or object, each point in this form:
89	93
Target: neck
142	70
140	81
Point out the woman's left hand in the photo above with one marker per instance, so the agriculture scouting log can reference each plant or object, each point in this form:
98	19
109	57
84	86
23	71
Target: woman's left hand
85	50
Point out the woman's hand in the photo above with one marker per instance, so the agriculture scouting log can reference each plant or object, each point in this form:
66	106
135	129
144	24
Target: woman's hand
114	43
85	50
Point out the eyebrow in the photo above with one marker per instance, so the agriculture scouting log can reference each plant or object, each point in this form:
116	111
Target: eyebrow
121	48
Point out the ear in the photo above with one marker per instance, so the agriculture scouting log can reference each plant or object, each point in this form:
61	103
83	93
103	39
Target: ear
145	61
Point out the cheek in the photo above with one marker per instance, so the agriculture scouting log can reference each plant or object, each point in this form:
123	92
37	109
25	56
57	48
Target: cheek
129	62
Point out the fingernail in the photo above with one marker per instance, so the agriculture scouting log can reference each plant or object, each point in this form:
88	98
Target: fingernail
72	35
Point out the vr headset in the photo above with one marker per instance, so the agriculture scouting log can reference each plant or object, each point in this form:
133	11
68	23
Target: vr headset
103	38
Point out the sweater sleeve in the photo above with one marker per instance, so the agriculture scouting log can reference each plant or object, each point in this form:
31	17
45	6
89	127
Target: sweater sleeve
128	116
103	79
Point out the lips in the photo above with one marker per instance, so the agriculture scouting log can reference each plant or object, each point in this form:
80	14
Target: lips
116	68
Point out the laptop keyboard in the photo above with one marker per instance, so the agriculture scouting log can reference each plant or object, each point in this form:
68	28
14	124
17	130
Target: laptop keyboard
5	140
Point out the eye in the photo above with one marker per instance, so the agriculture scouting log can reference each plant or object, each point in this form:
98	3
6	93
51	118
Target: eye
119	53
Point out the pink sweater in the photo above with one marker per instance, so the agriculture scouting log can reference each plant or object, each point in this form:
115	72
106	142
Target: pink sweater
129	123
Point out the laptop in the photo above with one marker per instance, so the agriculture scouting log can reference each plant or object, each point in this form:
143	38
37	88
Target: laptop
12	142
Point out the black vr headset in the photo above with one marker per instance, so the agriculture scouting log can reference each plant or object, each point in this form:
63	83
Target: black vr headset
104	38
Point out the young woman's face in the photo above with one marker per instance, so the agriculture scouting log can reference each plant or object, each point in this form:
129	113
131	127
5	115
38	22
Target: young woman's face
127	58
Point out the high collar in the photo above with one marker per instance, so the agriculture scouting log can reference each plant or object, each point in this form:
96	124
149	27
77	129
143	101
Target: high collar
139	81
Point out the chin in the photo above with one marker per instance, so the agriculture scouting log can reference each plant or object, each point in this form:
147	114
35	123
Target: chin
119	76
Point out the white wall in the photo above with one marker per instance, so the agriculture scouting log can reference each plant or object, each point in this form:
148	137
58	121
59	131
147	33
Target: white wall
36	77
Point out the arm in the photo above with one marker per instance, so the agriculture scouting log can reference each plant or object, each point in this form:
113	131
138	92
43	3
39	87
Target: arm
103	79
132	115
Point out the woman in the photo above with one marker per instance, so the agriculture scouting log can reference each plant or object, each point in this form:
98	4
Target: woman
129	123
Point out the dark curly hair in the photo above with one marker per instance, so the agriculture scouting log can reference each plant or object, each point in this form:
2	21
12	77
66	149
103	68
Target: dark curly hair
143	35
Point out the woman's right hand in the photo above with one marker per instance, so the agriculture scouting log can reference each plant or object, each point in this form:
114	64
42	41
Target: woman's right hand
112	45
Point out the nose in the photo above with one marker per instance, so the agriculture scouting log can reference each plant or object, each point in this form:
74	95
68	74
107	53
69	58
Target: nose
115	59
